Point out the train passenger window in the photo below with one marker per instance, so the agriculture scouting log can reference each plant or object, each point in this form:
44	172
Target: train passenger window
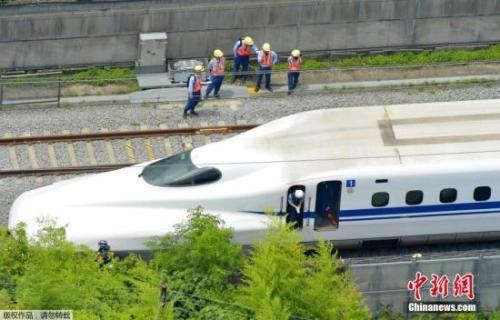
448	195
482	193
414	197
380	199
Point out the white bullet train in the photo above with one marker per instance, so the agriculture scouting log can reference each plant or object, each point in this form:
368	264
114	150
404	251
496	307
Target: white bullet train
404	174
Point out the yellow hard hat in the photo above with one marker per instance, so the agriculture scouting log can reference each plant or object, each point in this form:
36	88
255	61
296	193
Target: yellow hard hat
296	53
199	68
248	41
218	53
266	47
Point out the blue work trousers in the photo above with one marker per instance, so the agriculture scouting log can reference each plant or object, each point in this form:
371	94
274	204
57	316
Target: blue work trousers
215	84
264	71
242	62
293	79
192	102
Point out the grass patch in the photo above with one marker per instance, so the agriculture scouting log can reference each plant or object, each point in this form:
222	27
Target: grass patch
418	58
93	81
395	59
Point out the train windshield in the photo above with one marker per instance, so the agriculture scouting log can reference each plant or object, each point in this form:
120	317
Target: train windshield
178	170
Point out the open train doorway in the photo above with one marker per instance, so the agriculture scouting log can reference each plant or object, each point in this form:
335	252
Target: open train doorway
295	205
327	205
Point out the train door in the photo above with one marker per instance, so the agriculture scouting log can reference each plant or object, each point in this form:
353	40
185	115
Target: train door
295	206
327	205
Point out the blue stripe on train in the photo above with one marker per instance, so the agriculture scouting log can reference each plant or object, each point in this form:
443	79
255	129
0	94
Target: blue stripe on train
420	209
409	211
417	216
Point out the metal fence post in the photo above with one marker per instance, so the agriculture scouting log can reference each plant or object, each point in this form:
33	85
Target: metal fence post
477	282
59	92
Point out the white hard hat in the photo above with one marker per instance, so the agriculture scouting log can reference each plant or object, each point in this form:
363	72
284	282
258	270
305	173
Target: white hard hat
248	41
218	53
299	194
199	68
266	47
296	53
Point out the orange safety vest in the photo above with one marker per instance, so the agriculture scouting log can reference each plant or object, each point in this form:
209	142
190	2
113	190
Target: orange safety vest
294	64
218	66
266	60
244	51
197	84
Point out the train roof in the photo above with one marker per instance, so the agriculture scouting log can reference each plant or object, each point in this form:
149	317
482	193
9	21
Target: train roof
378	135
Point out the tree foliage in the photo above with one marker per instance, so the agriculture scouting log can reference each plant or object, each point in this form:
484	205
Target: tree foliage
60	275
281	282
197	260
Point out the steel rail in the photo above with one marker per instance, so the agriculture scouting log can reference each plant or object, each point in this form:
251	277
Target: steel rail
62	170
126	134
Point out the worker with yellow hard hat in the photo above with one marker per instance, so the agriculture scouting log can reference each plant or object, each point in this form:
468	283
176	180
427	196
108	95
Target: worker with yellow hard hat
194	91
266	59
216	67
242	50
294	66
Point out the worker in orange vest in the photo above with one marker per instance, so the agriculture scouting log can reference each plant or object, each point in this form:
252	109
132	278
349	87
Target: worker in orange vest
216	67
294	66
242	50
194	91
266	58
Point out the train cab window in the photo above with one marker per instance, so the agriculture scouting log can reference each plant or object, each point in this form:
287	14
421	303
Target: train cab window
380	199
482	193
178	170
448	195
414	197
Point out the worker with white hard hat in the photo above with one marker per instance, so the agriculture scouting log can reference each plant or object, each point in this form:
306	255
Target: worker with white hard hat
216	67
242	50
294	208
194	91
266	59
294	66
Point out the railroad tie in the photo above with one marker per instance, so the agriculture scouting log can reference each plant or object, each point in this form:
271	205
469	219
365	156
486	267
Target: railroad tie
31	153
51	152
71	151
148	145
187	141
166	141
206	137
90	149
109	148
12	155
129	148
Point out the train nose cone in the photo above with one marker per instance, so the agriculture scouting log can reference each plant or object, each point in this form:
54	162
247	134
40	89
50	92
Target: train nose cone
32	208
23	210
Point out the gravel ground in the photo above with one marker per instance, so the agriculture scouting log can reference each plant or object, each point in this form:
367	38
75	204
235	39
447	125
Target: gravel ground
17	121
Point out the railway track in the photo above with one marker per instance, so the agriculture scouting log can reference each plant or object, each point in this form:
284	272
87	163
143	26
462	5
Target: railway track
70	153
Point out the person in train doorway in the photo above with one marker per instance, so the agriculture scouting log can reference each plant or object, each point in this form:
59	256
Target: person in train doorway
266	58
242	50
294	66
295	214
216	67
194	91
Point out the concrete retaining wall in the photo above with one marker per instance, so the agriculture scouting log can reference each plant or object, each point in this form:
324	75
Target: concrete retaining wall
108	33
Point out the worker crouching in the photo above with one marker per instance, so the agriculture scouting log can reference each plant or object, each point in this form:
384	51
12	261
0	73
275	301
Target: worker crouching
266	59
